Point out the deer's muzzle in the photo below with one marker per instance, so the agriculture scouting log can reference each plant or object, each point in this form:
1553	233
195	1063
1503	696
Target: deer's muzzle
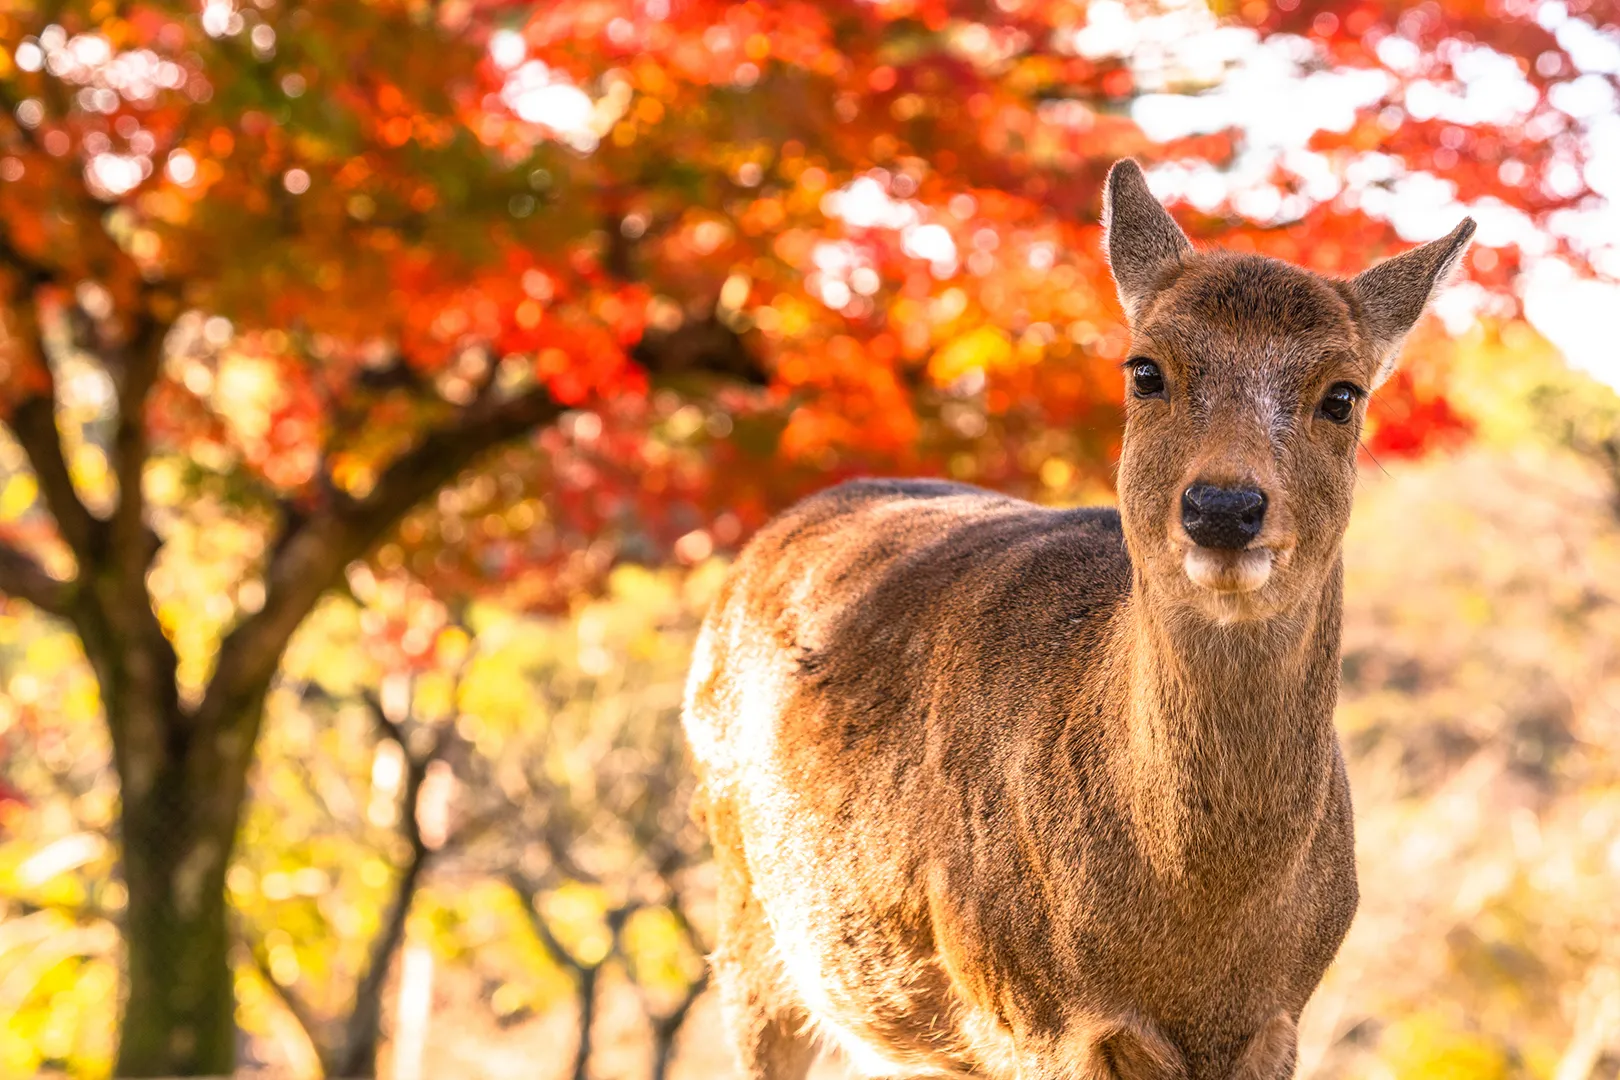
1226	519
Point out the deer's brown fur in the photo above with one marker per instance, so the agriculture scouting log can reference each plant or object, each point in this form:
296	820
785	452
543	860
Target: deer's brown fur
999	790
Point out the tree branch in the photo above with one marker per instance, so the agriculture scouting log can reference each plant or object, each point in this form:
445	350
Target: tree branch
108	602
668	1026
22	577
34	423
442	454
310	559
584	975
554	949
33	272
290	999
140	364
387	728
357	1054
135	369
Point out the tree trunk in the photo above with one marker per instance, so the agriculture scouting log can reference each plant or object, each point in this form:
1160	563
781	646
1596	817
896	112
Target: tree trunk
667	1028
179	1016
663	1053
357	1057
587	1018
181	794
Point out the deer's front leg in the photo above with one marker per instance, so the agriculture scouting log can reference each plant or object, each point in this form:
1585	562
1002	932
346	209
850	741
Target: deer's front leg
1135	1049
1126	1048
1271	1051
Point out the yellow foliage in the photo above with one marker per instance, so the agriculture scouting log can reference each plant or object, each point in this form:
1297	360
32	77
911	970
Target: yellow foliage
981	349
17	497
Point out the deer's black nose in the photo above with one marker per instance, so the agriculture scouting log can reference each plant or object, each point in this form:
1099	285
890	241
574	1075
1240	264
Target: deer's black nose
1219	517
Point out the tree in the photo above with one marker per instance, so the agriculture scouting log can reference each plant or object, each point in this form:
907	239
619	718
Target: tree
541	757
287	272
346	1041
624	832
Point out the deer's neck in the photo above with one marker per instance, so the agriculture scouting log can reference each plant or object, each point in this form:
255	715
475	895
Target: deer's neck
1228	743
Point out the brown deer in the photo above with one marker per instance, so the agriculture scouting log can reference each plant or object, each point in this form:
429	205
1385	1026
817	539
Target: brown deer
1006	791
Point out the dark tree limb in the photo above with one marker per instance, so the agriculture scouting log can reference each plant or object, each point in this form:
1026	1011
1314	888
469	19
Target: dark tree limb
558	832
666	1026
347	1047
585	976
135	370
126	543
108	602
311	557
22	577
387	727
33	421
291	1000
698	347
356	1053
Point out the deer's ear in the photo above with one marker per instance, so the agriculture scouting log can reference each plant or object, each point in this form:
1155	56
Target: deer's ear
1393	294
1141	238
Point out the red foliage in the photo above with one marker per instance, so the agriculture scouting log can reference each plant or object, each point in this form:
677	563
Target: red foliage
1407	421
891	206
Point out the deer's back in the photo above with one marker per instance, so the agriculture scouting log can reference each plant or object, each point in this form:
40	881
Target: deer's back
885	601
884	664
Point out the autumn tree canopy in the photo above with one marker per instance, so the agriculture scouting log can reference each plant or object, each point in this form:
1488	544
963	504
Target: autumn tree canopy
276	276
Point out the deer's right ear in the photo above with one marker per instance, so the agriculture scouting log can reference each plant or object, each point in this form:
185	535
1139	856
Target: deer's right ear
1141	238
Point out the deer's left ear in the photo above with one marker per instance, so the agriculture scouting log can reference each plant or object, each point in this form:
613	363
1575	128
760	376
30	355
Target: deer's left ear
1393	294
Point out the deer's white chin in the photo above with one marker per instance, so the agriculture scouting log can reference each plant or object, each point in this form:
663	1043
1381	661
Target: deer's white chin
1228	571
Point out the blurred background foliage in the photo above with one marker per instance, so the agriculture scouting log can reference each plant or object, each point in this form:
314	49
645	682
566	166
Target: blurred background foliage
1480	710
533	763
386	385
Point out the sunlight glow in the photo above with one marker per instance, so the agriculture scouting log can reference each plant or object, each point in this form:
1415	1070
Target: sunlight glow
540	96
930	242
68	853
414	1012
864	203
507	49
115	174
182	167
220	18
1577	315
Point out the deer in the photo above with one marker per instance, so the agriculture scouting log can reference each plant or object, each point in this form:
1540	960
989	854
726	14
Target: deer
1002	790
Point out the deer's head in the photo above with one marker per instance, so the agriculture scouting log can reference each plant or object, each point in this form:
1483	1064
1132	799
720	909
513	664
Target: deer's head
1246	390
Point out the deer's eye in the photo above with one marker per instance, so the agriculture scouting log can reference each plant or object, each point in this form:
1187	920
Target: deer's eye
1147	381
1339	403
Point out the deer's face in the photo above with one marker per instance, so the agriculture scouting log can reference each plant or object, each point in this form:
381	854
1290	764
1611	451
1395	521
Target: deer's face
1246	391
